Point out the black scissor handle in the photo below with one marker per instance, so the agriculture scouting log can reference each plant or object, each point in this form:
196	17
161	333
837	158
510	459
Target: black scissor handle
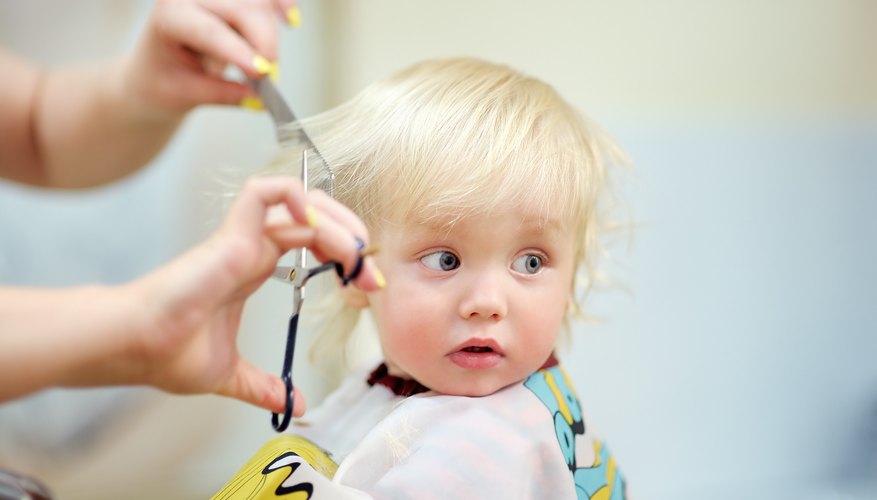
357	268
281	425
278	424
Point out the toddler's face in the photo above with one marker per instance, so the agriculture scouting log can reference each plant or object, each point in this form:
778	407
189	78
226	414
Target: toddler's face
474	309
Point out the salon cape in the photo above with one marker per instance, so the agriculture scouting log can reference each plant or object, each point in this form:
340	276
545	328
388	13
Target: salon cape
526	441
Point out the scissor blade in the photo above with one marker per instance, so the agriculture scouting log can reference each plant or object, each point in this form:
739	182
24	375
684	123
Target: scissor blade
287	273
280	111
283	273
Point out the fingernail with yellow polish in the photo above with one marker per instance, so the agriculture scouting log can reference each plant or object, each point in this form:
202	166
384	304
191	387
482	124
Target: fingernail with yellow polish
252	102
263	66
379	278
293	17
311	216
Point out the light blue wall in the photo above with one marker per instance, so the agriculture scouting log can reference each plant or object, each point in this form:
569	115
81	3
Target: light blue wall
740	359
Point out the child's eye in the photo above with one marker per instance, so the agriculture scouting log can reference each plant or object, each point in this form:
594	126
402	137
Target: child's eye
528	264
441	261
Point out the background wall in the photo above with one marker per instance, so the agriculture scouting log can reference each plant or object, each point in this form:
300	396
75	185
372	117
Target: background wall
736	357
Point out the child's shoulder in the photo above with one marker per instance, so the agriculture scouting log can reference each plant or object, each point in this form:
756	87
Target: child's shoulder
541	417
534	428
495	446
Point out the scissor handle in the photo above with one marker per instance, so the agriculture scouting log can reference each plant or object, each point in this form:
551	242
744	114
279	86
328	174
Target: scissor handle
357	268
286	376
280	424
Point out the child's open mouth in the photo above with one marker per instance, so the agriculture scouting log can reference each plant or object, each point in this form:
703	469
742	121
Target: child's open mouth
477	349
477	354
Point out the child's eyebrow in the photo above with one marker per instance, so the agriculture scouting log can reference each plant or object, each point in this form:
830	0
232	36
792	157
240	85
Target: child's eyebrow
540	225
530	223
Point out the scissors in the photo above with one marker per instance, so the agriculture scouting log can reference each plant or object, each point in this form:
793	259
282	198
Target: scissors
299	273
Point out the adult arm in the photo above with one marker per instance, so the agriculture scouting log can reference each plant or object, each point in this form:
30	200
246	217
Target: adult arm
176	328
86	125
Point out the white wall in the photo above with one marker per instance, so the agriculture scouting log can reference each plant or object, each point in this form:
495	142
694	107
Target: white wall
632	58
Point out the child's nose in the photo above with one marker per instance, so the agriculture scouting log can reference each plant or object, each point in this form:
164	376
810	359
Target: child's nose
484	297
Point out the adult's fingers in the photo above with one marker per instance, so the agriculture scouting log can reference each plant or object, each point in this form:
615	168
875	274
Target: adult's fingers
288	11
331	234
207	32
336	240
327	241
289	236
334	227
207	89
255	20
370	277
258	195
260	388
339	212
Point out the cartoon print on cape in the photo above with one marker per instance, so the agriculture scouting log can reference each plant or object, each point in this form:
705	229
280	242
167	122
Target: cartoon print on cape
593	470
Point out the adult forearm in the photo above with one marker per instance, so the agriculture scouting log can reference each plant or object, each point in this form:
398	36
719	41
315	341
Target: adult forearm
74	337
90	127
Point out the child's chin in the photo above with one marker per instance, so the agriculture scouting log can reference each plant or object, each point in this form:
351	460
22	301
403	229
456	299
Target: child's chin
477	390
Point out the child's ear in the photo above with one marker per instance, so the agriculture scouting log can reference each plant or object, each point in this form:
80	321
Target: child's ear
354	297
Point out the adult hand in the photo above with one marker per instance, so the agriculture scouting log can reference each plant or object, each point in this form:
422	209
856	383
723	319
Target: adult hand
126	110
196	301
176	328
186	45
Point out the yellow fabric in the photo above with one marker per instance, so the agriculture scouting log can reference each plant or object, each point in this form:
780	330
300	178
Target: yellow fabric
258	479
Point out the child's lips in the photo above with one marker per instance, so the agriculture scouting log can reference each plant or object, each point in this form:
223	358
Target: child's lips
477	354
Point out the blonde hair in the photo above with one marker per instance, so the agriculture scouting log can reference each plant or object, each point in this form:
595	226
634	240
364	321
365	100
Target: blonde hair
445	139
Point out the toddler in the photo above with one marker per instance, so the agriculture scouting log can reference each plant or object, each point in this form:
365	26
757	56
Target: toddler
483	188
